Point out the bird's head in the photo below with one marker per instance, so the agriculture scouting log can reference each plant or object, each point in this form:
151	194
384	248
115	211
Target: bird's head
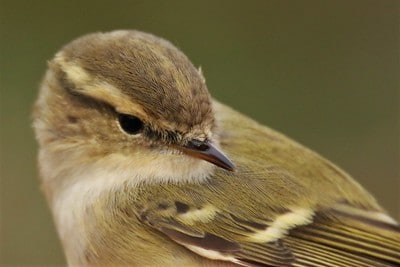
129	100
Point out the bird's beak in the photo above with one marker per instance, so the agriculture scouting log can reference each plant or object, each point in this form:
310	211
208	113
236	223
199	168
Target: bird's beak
206	151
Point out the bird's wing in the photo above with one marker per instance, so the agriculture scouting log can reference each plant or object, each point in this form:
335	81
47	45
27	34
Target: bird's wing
341	236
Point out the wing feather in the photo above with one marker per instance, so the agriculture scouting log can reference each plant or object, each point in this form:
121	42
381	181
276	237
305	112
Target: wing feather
309	251
331	238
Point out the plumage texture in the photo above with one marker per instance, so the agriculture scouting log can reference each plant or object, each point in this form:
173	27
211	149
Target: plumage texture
121	200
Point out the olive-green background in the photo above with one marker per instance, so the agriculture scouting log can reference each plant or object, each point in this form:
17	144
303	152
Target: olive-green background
324	72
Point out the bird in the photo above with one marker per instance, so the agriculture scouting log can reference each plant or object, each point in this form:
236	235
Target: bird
141	166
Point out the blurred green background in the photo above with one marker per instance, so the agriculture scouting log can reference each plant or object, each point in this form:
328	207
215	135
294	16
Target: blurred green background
325	73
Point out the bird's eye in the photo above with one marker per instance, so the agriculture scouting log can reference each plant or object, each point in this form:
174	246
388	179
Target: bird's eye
130	124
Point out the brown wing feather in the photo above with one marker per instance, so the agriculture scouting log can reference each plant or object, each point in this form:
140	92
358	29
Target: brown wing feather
333	238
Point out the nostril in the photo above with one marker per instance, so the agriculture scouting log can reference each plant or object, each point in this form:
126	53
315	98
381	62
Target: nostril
199	145
203	147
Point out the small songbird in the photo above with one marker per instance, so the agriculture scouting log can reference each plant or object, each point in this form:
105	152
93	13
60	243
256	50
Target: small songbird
142	167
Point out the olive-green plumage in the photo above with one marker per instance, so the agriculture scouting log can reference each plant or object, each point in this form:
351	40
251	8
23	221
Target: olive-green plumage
129	137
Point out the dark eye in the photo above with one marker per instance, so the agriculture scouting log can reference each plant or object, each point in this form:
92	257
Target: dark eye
130	124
